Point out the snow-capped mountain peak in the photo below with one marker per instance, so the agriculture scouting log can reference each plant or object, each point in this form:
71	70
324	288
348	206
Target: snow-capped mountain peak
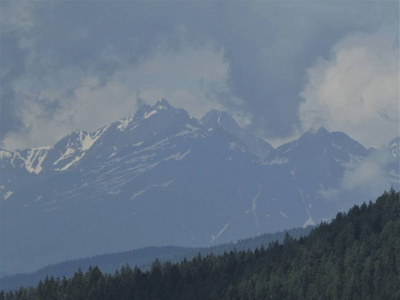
215	119
150	123
322	131
322	143
155	177
72	148
161	106
30	160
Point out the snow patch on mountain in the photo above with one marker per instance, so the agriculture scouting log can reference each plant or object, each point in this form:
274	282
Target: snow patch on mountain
301	192
33	163
253	207
149	114
76	148
123	124
215	119
5	154
277	161
89	139
7	195
215	237
283	214
145	167
151	186
68	152
310	221
178	156
28	159
188	231
68	165
137	144
191	132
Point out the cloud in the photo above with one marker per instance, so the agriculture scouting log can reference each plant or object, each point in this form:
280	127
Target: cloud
51	110
377	172
356	90
186	78
370	174
246	57
16	16
270	45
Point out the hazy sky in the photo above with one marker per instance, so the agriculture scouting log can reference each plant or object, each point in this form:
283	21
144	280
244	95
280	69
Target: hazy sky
280	68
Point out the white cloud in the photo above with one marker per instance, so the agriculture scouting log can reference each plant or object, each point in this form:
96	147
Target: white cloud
276	142
16	16
61	101
370	174
183	78
368	178
176	54
356	90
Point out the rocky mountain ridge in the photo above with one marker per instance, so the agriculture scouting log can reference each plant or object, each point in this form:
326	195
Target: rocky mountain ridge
163	178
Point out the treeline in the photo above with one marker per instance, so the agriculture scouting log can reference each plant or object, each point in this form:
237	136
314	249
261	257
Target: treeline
356	256
143	258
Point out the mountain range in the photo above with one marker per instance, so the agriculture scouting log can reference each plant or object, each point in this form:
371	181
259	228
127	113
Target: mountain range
163	178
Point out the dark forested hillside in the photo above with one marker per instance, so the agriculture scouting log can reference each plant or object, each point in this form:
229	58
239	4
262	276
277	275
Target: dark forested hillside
142	258
356	256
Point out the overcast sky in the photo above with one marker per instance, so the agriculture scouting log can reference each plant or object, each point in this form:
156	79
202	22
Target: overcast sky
280	68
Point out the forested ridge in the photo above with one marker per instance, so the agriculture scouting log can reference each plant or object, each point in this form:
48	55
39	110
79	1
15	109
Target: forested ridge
143	258
356	256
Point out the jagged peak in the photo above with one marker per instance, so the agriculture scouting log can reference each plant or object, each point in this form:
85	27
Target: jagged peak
142	110
145	110
162	103
311	134
322	131
214	118
324	138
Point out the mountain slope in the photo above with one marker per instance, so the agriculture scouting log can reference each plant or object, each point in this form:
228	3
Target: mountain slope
215	119
161	178
140	182
356	256
321	156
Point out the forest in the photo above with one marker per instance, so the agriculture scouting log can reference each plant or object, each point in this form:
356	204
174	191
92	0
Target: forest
143	258
355	256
